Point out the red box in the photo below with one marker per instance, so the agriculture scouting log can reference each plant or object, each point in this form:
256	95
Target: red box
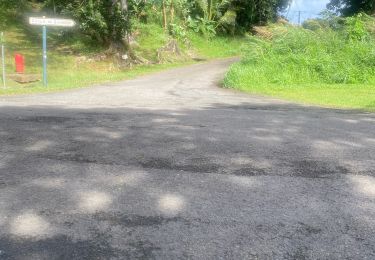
20	63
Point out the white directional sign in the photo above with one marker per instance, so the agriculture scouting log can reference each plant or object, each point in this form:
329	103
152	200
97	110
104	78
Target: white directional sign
51	22
44	23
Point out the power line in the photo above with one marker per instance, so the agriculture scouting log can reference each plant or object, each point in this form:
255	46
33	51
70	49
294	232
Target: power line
301	15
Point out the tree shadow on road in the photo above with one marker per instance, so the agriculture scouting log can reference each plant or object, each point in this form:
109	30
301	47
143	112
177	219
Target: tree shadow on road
110	183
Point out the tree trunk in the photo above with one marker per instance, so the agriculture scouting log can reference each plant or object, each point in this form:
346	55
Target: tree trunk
124	5
112	12
125	8
164	16
171	9
54	6
209	10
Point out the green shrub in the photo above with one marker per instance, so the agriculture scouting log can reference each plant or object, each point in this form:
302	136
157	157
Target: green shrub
312	24
178	31
299	56
204	26
356	28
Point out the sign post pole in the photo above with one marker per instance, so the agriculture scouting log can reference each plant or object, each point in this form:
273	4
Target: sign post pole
44	55
44	22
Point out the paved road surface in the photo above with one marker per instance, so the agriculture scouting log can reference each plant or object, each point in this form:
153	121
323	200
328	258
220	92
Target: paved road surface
168	166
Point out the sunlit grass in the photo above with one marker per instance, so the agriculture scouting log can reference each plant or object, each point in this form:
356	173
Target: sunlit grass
356	96
69	78
217	47
72	63
310	67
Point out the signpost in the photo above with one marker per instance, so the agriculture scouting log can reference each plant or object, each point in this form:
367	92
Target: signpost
44	22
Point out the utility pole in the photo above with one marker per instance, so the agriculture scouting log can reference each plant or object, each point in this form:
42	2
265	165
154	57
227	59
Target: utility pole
299	17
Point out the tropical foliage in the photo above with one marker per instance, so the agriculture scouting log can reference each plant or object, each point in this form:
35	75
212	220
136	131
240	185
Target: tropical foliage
328	61
350	7
109	22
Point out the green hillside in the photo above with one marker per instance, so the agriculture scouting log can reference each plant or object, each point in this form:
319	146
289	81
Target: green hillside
329	62
76	60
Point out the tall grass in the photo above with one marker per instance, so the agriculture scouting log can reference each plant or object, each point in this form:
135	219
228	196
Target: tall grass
297	56
75	63
333	66
218	46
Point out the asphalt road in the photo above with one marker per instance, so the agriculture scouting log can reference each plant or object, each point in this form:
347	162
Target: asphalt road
169	166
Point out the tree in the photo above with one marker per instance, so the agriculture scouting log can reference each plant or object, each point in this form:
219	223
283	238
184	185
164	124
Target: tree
106	21
351	7
250	12
6	5
227	15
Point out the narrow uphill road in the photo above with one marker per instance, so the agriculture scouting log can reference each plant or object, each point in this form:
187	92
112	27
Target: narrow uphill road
168	166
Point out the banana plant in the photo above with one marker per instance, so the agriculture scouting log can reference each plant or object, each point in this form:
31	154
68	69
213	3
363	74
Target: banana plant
213	9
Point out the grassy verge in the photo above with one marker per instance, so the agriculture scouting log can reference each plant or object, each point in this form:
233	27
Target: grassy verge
324	67
334	96
73	60
218	47
64	79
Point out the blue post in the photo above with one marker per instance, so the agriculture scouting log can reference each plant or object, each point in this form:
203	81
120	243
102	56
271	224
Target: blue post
45	55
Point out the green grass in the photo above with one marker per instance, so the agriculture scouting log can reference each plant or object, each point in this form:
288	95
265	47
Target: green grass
217	47
72	78
66	49
313	67
326	95
150	37
66	70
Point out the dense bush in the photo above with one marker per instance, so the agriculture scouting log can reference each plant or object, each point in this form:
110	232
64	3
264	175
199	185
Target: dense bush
295	56
106	21
109	21
351	7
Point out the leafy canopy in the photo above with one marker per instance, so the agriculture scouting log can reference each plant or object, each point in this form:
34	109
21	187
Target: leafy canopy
351	7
